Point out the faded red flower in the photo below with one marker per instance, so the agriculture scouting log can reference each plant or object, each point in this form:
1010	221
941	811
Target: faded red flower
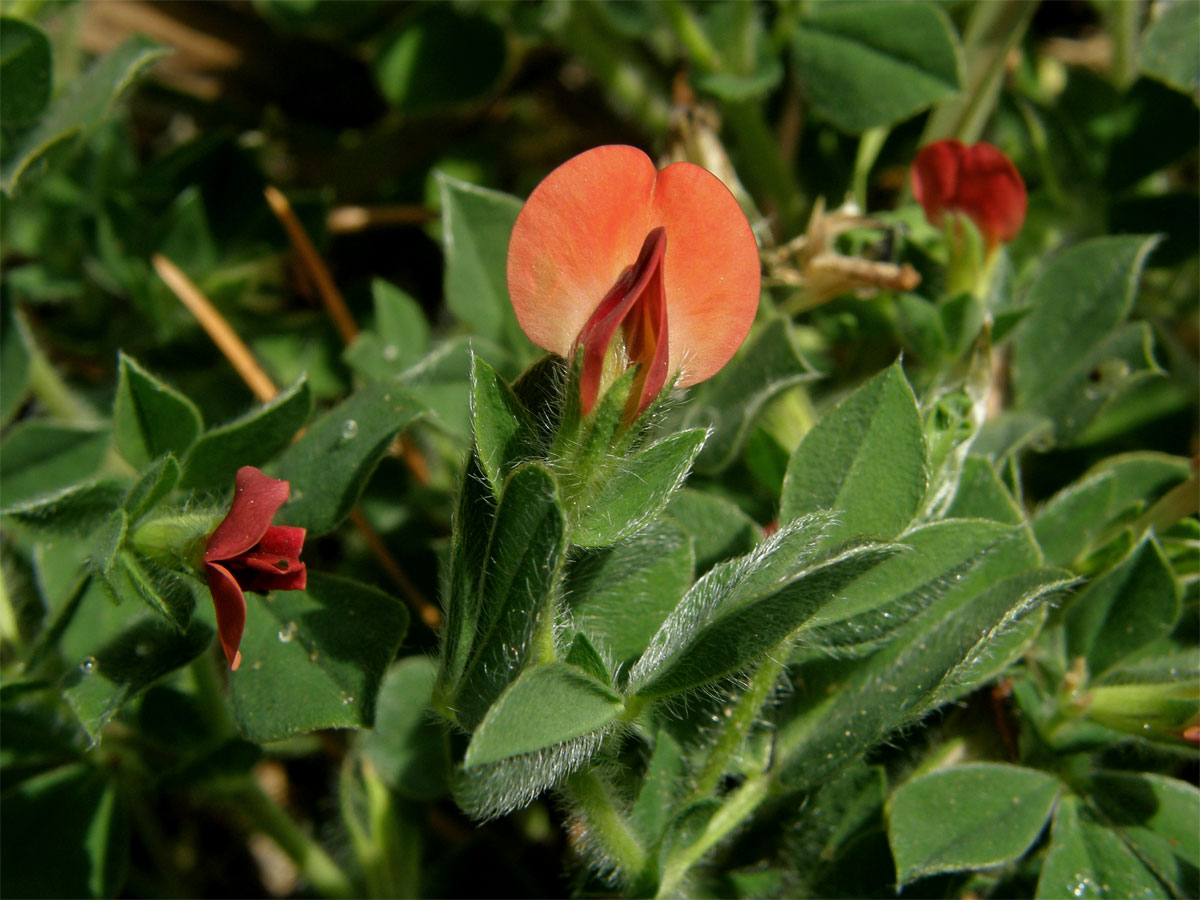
662	263
247	553
978	181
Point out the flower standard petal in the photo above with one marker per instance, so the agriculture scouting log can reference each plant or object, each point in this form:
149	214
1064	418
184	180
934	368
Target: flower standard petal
582	229
712	270
575	235
256	499
230	606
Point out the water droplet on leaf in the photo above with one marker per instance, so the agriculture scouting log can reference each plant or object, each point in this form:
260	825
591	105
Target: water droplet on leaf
288	633
349	430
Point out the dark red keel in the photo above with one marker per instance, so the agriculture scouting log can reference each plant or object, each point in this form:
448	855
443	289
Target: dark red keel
638	301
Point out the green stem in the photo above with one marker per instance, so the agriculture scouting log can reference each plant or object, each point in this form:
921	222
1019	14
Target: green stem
993	30
315	865
210	694
746	711
53	393
869	145
736	809
696	44
10	632
1123	18
765	169
585	35
597	806
543	638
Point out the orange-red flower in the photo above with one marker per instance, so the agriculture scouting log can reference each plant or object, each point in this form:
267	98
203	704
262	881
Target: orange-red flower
606	245
247	553
978	181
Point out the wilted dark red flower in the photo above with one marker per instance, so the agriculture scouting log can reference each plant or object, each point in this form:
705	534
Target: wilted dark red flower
608	249
247	553
978	181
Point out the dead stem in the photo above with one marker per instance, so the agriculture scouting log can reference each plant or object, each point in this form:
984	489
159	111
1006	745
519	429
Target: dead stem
348	219
226	339
238	354
335	305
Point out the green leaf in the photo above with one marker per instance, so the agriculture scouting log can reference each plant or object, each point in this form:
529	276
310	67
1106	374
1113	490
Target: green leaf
131	577
126	664
315	658
151	418
638	491
252	440
743	609
439	58
547	705
937	558
718	528
502	429
865	460
15	360
474	517
399	339
872	697
329	466
476	224
109	541
43	458
1121	612
768	364
72	512
407	747
982	495
524	557
1071	521
662	787
863	65
155	483
1158	818
1085	859
620	595
1169	52
1140	478
88	101
26	70
1072	355
828	830
584	655
969	817
1011	432
65	835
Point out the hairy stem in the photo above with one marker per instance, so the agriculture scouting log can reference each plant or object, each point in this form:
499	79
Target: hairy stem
746	712
594	802
315	865
736	809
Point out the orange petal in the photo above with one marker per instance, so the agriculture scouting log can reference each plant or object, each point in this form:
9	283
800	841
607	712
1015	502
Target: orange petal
584	225
712	270
575	235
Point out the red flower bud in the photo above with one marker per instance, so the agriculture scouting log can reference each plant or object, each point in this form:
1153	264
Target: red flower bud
978	181
607	245
247	553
